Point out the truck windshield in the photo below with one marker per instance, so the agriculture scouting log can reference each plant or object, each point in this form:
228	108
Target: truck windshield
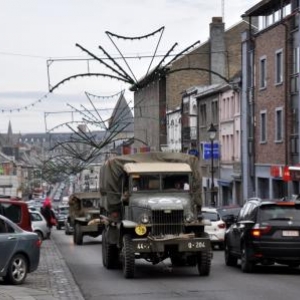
160	182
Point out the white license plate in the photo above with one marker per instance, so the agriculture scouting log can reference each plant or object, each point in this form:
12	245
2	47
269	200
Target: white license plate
290	233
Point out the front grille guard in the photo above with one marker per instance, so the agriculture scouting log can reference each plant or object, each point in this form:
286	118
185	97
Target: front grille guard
166	222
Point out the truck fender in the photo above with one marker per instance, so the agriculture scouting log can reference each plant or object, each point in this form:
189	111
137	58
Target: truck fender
128	224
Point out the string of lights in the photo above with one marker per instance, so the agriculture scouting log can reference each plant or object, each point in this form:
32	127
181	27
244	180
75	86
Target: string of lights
26	107
105	97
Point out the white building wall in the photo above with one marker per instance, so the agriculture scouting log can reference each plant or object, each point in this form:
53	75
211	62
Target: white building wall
173	131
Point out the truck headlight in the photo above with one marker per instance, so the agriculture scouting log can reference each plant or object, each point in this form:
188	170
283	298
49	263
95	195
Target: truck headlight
189	218
140	229
145	219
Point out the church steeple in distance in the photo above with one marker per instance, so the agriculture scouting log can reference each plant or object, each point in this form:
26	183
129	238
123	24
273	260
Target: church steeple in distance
9	137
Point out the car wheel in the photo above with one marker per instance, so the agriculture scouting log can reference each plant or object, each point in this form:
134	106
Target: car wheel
203	263
78	238
128	259
230	260
17	270
40	235
247	266
58	227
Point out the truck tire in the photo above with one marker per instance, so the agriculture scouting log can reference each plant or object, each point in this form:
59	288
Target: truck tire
128	258
78	238
203	263
109	253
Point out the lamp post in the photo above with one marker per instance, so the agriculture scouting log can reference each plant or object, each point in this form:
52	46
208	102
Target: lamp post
212	131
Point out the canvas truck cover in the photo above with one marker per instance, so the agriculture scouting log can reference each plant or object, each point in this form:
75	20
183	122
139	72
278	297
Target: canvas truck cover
113	169
77	210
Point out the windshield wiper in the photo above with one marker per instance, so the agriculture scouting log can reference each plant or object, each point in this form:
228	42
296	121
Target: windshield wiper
281	219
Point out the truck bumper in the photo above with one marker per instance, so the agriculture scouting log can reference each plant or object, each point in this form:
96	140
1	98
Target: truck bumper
92	228
145	245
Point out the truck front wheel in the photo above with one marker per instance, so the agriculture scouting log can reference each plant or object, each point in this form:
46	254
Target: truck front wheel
109	253
203	263
128	258
78	238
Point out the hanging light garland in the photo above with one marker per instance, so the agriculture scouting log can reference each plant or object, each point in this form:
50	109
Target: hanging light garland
19	109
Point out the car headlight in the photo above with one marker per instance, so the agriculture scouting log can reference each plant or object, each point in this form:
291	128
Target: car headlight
145	219
189	217
88	217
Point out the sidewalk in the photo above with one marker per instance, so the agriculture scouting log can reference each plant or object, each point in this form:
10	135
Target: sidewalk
51	281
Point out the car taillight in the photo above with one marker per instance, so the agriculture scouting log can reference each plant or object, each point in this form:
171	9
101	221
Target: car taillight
38	243
259	231
222	226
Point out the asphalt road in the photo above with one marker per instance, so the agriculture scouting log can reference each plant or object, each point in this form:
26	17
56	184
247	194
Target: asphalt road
164	282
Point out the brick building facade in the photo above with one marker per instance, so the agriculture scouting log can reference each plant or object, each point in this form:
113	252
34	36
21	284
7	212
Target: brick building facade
270	102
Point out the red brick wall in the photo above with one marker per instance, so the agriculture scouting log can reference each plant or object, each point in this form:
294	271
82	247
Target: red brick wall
200	57
272	97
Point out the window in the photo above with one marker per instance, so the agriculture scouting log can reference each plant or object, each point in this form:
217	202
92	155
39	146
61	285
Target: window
5	227
296	65
263	71
11	211
278	67
186	105
278	125
215	111
35	217
263	127
202	120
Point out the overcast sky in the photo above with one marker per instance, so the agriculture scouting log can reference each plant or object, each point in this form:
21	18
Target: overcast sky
37	33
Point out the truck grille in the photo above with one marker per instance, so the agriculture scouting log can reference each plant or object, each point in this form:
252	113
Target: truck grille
167	222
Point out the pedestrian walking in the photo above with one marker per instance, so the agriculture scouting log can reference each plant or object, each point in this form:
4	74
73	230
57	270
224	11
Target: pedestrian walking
48	214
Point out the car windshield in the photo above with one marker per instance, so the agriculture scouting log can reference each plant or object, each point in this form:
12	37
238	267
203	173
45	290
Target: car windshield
63	210
229	211
212	216
280	212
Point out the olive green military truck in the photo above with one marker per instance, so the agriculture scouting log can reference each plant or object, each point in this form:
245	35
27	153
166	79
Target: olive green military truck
84	215
152	205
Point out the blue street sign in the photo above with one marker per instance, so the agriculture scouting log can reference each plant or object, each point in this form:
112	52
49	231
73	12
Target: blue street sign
209	153
193	152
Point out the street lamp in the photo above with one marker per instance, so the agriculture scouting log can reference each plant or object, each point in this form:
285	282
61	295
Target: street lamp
212	131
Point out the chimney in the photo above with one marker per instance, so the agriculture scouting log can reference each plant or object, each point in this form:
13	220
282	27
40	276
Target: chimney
217	50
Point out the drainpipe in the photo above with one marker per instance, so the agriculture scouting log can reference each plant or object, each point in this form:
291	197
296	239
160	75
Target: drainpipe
286	99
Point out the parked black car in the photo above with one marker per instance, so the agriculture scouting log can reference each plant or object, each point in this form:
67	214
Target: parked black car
265	232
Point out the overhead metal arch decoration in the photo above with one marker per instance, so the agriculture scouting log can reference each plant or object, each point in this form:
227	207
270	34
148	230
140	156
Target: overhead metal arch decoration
197	69
118	72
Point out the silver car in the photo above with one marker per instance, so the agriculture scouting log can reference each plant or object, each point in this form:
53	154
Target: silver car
20	252
39	224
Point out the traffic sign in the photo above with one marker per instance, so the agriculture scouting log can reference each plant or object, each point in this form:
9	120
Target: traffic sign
211	150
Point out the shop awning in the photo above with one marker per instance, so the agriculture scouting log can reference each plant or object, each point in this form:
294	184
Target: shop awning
224	182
